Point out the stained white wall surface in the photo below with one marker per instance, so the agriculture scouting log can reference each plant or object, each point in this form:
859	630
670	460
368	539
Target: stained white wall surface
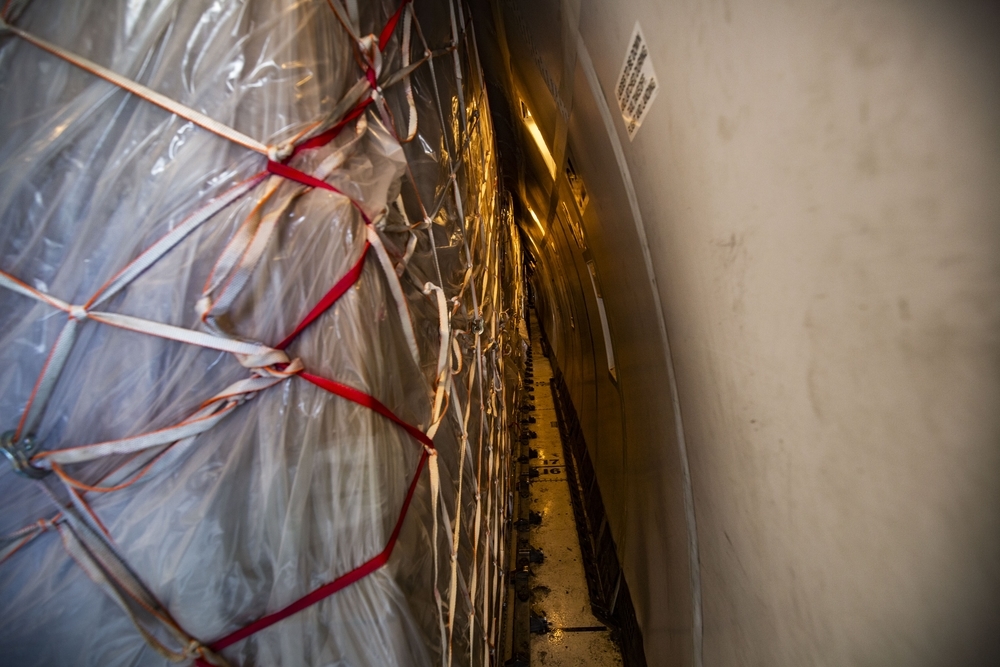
799	256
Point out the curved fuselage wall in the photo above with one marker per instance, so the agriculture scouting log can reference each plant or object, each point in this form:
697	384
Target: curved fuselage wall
815	214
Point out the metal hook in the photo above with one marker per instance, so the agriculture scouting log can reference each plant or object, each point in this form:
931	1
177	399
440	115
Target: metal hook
19	454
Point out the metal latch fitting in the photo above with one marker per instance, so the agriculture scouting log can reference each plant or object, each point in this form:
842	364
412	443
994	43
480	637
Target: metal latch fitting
19	454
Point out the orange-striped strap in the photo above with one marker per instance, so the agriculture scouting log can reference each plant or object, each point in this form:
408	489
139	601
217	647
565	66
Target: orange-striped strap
144	92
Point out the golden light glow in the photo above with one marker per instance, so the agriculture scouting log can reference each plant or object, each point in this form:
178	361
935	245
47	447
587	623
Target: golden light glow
536	134
538	223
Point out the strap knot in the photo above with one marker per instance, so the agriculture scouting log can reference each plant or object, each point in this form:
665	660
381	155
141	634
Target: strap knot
195	650
20	452
78	313
45	524
279	152
293	367
202	307
265	360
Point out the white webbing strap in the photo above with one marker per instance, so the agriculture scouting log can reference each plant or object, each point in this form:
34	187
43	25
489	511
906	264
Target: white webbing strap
139	90
411	243
370	51
241	239
160	451
368	46
13	542
444	328
476	531
238	279
456	350
480	369
46	382
435	490
336	159
443	389
211	413
348	24
463	421
106	569
236	264
13	284
355	94
85	511
165	243
54	363
187	428
476	524
250	355
397	293
64	343
491	589
411	130
443	378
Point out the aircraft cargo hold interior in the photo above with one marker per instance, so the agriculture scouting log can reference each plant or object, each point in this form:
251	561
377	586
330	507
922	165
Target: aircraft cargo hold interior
496	333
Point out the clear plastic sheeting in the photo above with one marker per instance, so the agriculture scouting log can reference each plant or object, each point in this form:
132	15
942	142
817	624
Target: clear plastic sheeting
145	553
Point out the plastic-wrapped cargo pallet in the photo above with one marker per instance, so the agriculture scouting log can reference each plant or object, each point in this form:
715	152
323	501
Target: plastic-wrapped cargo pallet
259	321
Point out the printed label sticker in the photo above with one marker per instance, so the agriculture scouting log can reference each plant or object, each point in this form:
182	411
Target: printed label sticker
637	85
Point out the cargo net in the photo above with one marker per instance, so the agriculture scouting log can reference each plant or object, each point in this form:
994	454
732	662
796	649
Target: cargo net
147	257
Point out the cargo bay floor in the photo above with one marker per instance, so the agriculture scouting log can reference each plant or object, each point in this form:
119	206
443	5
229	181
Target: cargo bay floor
558	584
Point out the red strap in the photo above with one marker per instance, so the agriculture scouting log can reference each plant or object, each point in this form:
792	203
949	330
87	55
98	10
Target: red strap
368	401
372	403
337	291
293	174
325	591
390	27
342	390
326	137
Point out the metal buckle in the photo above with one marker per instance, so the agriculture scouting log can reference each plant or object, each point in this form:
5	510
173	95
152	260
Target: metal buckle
19	454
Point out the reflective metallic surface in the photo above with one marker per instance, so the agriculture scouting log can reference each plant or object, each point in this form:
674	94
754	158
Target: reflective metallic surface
558	584
797	254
